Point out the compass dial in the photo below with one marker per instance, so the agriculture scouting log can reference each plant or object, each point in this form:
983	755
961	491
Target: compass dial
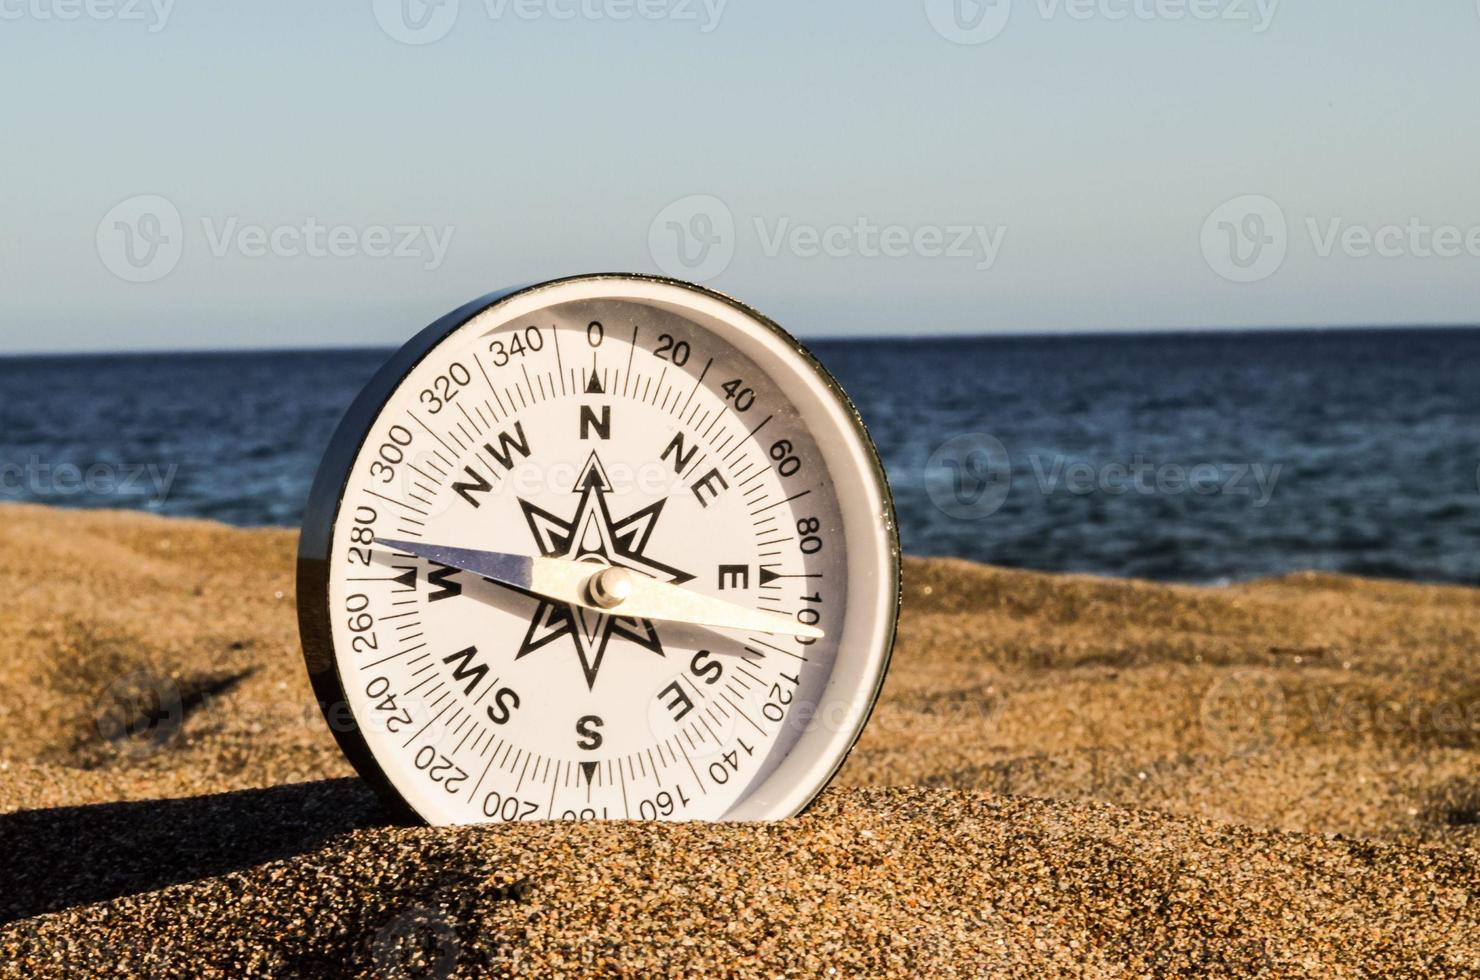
612	547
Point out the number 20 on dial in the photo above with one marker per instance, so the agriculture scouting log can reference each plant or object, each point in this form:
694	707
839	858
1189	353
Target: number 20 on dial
609	547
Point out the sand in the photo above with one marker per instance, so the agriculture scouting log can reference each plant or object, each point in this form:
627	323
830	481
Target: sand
1065	776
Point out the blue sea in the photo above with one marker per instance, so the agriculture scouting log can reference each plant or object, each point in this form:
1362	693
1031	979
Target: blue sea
1199	457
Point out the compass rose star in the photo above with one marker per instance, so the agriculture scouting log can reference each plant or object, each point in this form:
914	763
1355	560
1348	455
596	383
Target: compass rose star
593	535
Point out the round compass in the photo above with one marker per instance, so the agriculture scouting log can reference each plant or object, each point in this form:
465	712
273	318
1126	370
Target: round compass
610	547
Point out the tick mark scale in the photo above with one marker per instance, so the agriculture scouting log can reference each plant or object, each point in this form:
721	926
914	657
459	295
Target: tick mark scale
583	568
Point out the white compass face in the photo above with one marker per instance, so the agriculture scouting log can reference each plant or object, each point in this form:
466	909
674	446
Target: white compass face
487	670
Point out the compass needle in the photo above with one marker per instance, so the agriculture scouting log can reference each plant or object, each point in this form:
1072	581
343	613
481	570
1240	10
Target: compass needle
578	584
695	575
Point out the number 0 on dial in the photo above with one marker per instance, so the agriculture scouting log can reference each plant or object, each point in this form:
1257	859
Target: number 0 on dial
610	547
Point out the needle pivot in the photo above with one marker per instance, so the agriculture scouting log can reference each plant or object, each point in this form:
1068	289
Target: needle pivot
610	587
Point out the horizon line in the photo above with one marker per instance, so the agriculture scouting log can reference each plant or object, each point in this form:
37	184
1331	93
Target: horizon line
1070	334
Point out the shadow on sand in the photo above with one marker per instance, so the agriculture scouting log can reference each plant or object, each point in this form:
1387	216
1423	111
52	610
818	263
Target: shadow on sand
59	858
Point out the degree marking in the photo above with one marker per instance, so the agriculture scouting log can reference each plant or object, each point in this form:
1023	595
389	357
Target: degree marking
476	431
398	503
434	466
550	810
742	714
795	496
631	351
752	433
769	646
392	656
686	758
697	384
428	724
480	780
417	419
559	364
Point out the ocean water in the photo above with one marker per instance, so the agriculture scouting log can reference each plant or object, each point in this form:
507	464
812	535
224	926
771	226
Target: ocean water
1192	457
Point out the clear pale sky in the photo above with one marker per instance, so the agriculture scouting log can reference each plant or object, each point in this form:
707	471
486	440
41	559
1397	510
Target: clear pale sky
1092	140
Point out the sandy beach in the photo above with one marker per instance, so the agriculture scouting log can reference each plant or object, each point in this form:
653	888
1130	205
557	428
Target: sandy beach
1065	776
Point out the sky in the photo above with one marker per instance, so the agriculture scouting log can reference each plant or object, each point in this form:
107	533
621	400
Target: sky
187	175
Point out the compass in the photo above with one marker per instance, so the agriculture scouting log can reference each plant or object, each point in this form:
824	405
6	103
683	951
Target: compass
608	547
